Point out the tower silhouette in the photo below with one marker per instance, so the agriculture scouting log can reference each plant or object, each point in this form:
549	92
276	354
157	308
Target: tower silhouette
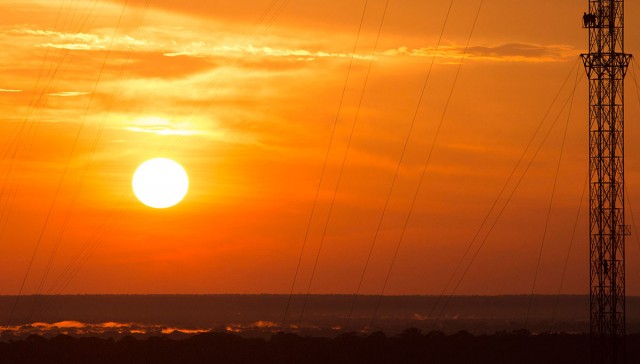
606	65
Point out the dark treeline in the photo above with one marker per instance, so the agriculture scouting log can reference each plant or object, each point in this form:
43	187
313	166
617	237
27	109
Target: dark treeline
411	346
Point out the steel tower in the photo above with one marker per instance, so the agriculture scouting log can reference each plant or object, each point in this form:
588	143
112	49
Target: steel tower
606	65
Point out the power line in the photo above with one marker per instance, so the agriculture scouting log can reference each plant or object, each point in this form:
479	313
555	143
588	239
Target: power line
74	267
503	189
92	150
324	164
566	259
266	20
504	206
402	155
35	107
65	170
342	165
427	161
551	200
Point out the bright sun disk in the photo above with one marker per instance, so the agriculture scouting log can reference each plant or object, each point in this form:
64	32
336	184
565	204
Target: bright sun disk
160	183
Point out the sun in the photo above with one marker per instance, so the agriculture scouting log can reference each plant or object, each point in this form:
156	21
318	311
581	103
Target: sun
160	183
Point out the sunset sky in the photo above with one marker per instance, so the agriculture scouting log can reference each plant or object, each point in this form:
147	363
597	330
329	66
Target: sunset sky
244	95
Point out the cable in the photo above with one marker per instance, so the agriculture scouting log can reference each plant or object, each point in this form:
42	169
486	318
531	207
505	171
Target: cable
80	259
19	138
635	80
502	190
34	112
551	200
92	151
207	101
74	267
566	259
65	170
324	164
402	155
427	162
482	243
344	160
633	220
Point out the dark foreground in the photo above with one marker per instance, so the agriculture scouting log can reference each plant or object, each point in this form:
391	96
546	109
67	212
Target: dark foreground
409	347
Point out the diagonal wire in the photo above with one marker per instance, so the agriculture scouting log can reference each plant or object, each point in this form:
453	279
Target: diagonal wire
551	200
37	102
635	81
402	155
344	160
324	165
633	219
65	171
92	151
427	162
566	259
74	267
503	189
264	23
504	206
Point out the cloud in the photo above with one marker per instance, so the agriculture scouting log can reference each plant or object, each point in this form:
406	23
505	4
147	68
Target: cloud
175	53
508	52
79	41
204	50
161	126
156	65
71	46
161	131
523	52
9	90
68	94
76	41
172	47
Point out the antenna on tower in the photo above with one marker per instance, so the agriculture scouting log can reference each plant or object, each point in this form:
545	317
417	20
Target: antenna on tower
606	65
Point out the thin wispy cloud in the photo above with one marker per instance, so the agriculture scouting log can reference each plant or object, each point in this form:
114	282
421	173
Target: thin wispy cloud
523	52
161	126
71	46
68	94
9	90
170	47
75	41
174	47
161	130
508	52
240	50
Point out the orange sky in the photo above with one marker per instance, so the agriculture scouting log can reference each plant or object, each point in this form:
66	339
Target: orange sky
245	97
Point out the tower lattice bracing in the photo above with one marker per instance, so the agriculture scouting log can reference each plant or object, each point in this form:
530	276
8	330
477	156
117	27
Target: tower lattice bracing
606	65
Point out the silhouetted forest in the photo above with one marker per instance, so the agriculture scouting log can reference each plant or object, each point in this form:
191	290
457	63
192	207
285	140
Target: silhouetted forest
412	346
